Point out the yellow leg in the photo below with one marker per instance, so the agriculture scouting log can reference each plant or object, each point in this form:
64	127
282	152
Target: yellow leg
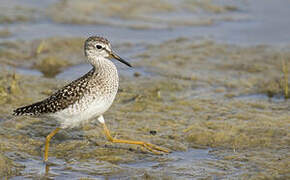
151	147
48	137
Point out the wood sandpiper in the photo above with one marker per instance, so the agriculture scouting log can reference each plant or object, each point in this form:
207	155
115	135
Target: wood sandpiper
86	98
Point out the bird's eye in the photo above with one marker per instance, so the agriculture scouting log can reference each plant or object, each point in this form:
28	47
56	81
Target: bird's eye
99	46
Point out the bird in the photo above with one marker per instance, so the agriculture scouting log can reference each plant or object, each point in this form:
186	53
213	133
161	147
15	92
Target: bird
87	97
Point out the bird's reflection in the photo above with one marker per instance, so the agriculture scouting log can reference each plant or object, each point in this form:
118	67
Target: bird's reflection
47	166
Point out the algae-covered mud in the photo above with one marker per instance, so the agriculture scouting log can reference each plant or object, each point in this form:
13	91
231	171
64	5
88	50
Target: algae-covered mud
141	15
219	102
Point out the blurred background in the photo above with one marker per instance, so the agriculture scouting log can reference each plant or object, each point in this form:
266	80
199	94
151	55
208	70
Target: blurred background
210	82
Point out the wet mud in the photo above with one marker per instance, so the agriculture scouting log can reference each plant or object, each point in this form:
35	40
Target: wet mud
141	15
221	108
191	99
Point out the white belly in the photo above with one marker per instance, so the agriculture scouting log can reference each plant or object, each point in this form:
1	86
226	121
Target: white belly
83	111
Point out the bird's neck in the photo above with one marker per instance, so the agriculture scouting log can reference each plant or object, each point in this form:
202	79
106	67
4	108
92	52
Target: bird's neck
103	66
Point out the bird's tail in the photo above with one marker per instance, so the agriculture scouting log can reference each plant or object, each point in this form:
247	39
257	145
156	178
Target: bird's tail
27	110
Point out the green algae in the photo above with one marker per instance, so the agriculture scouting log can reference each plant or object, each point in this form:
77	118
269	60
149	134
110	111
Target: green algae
219	120
8	168
8	87
190	101
45	55
209	6
142	14
12	14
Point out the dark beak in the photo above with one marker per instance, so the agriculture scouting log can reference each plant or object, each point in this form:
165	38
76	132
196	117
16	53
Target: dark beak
115	56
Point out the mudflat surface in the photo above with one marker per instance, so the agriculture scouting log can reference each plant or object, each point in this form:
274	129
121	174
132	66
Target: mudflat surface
207	83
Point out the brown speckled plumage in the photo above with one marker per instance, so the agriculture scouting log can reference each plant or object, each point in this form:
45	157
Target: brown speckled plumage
61	99
97	38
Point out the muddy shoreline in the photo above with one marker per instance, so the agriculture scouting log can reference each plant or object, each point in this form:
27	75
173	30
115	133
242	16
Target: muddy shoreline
187	109
220	106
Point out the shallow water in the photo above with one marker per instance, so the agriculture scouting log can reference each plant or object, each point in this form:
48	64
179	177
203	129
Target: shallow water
92	169
212	91
254	24
256	97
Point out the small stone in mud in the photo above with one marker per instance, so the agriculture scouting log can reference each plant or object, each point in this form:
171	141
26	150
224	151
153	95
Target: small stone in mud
137	74
153	132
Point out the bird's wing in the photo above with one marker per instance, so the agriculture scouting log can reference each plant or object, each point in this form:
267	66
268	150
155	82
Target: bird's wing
60	100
